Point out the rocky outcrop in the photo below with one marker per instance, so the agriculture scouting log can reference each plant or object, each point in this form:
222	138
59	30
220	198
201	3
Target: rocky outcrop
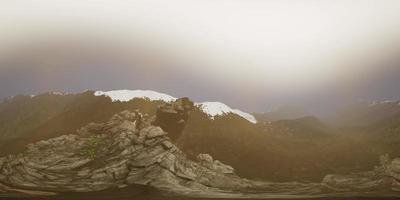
361	182
127	150
115	154
393	168
385	177
172	117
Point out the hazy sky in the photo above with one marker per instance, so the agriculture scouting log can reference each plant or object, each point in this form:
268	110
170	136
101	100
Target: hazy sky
252	55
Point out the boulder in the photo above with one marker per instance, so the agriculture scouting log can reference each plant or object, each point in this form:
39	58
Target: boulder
155	132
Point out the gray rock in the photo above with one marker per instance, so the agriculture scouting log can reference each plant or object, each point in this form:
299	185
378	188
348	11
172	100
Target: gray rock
395	165
131	116
167	144
169	162
127	126
366	181
155	132
136	176
207	161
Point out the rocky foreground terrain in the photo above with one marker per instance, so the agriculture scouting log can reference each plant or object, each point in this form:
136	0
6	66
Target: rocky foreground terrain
130	149
384	178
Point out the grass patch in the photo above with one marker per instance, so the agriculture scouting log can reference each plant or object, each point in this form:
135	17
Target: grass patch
93	147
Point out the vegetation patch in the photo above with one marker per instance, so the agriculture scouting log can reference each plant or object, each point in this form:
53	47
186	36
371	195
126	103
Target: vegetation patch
93	146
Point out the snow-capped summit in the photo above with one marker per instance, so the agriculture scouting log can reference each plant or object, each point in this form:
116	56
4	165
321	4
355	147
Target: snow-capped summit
127	95
210	108
217	108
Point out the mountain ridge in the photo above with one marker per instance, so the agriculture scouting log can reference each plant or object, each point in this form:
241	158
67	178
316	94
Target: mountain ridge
211	108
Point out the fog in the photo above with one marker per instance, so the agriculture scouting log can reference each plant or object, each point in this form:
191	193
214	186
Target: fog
252	55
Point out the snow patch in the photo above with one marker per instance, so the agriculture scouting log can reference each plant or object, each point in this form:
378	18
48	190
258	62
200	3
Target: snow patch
57	93
127	95
211	108
217	108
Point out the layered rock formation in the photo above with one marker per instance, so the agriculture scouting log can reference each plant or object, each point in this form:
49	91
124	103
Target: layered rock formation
124	151
114	154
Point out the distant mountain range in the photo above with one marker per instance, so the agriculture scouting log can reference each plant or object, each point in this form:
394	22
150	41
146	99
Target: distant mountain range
282	113
366	113
272	146
301	127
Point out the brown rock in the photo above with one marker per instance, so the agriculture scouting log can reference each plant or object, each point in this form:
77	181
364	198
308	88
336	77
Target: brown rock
172	117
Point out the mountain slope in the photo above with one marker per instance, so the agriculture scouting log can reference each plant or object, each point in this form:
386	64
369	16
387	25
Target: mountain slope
281	113
20	114
366	114
377	121
301	127
274	156
84	108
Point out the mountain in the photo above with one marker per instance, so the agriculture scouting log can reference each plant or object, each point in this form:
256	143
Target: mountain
276	155
386	134
377	121
128	150
217	109
21	113
51	114
302	127
127	95
365	114
227	134
211	108
281	113
65	114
